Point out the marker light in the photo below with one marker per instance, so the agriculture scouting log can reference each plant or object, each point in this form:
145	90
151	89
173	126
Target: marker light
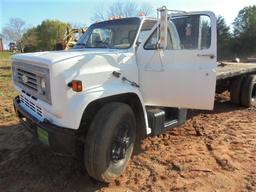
76	85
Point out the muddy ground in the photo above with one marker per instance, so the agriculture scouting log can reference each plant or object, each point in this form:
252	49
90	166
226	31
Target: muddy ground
213	151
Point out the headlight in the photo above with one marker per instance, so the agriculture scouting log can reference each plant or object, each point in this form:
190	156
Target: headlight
42	86
43	83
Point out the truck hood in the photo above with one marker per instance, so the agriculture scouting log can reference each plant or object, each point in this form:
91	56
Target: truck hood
51	57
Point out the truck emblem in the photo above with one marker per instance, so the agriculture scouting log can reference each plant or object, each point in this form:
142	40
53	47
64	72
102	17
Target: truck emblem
24	78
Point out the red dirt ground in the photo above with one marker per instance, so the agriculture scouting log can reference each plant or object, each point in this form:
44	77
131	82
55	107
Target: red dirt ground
212	151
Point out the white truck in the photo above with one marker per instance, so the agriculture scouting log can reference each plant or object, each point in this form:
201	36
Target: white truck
125	79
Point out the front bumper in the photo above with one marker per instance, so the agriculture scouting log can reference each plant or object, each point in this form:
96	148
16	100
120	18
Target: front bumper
61	140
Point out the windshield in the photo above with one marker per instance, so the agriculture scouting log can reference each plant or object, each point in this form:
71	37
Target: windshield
113	34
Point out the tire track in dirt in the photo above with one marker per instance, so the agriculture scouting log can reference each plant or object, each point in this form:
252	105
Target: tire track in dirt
212	151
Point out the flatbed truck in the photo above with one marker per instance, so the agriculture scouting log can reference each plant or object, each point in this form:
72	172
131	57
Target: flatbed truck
125	79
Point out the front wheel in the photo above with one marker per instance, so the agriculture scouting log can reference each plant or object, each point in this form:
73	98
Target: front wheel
110	141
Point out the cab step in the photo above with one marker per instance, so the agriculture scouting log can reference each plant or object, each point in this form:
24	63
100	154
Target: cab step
162	119
172	123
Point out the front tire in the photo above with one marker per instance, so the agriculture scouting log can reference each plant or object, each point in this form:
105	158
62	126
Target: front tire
110	141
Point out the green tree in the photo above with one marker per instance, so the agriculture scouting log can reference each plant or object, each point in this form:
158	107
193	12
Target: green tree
245	29
29	41
223	38
223	30
50	32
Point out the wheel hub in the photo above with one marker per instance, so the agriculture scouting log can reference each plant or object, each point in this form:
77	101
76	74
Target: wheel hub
120	144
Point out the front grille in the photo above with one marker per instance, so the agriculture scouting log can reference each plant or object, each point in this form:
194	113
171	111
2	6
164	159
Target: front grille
31	105
28	77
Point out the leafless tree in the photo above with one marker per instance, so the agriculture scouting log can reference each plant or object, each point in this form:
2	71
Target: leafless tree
147	9
122	9
14	30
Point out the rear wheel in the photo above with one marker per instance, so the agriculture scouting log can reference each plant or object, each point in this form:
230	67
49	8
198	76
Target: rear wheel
248	91
235	90
110	141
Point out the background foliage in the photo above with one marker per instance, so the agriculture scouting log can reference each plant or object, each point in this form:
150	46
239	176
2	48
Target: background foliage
44	36
241	42
238	40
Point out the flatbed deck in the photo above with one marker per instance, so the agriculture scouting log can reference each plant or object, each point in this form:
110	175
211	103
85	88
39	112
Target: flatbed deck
227	70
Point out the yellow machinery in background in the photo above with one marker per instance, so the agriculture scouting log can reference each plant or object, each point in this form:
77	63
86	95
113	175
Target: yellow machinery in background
70	38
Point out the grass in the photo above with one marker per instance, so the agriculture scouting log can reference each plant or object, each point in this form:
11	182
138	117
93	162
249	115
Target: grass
7	92
6	88
5	55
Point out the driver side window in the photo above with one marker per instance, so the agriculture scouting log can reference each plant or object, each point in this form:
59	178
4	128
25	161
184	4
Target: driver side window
151	43
145	30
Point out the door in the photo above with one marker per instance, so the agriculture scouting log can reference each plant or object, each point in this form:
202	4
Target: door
184	74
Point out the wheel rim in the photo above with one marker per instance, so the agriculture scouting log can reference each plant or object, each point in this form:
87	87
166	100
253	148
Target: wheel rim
254	93
121	143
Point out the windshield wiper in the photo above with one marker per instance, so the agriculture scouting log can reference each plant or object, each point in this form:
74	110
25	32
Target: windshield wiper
81	44
103	45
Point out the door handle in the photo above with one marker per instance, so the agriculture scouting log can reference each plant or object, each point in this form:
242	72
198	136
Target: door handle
206	55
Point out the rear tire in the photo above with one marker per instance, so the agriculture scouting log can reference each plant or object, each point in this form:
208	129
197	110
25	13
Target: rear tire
235	90
110	141
248	91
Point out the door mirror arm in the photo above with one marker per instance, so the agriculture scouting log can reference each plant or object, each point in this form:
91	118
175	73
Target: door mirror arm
158	46
138	43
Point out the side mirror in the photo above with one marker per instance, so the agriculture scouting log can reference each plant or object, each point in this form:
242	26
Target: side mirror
163	27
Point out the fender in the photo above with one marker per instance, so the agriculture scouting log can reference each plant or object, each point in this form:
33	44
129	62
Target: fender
93	94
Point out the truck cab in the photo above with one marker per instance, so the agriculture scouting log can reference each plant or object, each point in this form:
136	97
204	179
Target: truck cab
124	79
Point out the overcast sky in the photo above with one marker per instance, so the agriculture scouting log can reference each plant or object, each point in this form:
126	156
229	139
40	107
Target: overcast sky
81	11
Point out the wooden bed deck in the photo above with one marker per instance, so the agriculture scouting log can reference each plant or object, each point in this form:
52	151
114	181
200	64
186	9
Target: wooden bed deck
227	69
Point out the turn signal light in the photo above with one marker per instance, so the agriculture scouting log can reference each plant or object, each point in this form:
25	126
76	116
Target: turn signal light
76	85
